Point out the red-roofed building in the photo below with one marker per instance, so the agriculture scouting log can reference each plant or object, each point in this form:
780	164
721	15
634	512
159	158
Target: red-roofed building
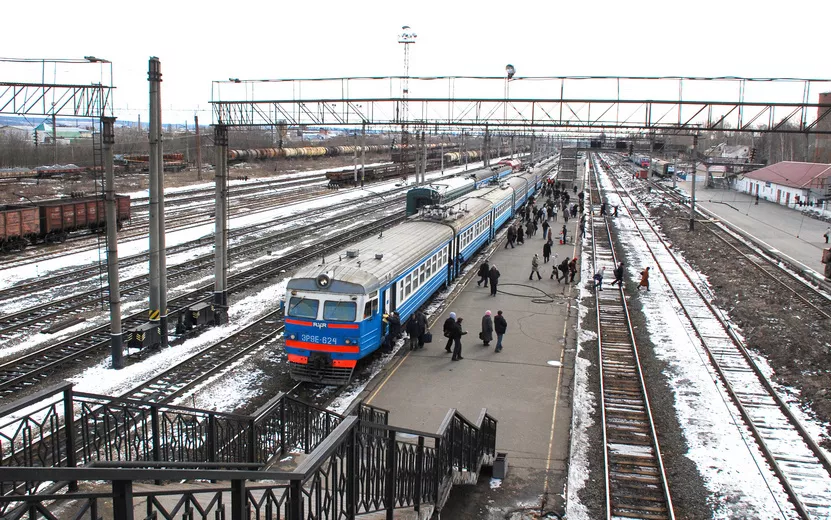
789	183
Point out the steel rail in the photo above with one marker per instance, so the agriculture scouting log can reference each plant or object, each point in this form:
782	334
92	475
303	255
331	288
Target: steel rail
636	483
32	368
65	308
801	466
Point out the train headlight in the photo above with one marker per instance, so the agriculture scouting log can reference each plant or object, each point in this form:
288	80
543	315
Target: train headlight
347	342
292	336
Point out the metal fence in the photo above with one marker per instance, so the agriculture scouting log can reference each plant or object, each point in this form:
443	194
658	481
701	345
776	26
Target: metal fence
357	464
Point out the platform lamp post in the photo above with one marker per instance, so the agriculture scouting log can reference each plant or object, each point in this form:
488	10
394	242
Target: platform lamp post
694	172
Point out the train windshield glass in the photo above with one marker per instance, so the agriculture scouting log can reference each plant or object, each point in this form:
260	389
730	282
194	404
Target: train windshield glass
303	307
339	311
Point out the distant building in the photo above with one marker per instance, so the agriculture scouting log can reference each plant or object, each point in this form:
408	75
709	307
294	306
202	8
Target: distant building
789	183
20	132
63	134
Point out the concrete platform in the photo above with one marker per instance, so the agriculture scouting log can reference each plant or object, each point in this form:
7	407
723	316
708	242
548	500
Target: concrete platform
784	229
526	387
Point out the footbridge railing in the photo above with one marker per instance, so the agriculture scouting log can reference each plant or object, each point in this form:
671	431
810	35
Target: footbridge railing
356	464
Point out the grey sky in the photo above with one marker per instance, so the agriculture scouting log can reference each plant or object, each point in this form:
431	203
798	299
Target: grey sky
198	42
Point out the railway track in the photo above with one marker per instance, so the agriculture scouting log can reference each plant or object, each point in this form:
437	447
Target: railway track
803	469
636	485
44	314
188	217
30	369
75	274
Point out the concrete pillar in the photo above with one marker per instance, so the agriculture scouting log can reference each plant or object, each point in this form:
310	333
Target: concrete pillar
116	336
221	234
153	79
156	115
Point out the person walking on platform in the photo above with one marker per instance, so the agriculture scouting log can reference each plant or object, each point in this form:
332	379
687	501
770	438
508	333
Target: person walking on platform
500	325
535	267
511	237
449	323
421	319
546	252
520	237
565	215
572	269
562	268
565	232
493	276
618	275
529	229
484	269
457	334
827	234
554	213
487	329
644	279
583	225
545	227
598	279
413	331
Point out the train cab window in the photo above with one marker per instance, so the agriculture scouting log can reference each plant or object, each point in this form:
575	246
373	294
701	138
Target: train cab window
368	310
301	307
339	311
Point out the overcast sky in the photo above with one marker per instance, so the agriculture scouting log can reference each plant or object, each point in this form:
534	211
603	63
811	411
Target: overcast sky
198	42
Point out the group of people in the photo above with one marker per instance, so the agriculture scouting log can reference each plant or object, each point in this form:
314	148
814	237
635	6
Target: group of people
453	331
618	272
488	273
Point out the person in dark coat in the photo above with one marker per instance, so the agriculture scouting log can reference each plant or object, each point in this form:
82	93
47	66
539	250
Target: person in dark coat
449	323
520	236
618	275
546	252
511	237
565	232
544	228
487	328
562	268
572	269
457	334
500	326
484	269
421	319
493	276
413	331
395	325
602	208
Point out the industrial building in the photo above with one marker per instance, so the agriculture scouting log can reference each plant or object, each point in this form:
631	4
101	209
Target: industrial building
789	183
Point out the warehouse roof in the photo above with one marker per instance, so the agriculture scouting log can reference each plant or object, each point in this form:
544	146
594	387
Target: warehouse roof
794	174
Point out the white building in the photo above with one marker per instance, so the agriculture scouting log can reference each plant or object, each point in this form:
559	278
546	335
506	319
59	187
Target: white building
789	183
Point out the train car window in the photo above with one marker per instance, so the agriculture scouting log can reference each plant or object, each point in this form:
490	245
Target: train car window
375	306
368	310
421	274
300	307
407	286
339	311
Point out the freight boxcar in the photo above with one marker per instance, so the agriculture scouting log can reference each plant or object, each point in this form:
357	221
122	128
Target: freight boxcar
52	221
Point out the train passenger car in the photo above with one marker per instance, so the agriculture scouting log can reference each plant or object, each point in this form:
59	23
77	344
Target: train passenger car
660	169
515	164
334	310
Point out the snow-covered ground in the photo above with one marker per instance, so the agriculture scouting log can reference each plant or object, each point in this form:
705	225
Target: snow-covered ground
734	470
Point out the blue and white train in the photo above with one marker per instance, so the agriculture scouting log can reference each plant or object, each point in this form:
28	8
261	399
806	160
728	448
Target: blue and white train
334	311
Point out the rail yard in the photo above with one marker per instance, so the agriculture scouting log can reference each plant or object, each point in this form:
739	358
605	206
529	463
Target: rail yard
245	319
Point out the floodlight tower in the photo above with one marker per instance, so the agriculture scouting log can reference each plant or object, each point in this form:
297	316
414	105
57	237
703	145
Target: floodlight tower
407	38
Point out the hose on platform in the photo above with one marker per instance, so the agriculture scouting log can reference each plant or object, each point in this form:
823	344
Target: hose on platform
548	299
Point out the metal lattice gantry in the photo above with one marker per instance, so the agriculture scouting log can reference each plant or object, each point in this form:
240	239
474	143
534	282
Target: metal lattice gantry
72	92
668	104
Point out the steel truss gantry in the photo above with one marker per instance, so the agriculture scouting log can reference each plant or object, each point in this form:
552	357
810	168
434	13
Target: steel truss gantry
595	103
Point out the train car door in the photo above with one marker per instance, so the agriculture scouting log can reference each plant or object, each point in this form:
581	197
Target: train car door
778	195
787	198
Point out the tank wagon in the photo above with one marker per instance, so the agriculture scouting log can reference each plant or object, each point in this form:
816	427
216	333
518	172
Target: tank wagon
443	191
346	175
334	311
51	221
302	152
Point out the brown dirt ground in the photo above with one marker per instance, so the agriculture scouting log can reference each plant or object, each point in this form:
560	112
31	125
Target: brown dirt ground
794	339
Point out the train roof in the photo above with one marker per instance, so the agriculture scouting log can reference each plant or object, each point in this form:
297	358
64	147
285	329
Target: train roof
361	271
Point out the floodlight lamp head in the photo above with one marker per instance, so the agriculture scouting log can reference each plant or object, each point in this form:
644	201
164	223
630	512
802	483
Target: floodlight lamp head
510	70
407	35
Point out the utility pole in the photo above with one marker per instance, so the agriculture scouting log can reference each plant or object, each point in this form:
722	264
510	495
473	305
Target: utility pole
363	153
533	136
442	157
157	160
116	341
464	147
354	158
55	138
692	198
423	156
487	154
221	233
153	78
198	149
